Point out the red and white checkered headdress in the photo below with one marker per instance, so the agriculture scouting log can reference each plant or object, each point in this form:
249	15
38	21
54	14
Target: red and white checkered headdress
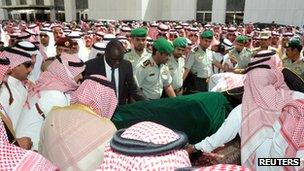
152	133
15	56
60	75
97	93
16	158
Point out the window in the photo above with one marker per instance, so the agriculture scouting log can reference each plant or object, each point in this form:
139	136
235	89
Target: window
82	4
22	2
204	16
235	11
204	5
8	2
235	5
39	2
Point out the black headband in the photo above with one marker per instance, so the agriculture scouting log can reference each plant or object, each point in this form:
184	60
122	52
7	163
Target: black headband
76	64
24	37
4	61
101	81
99	48
257	66
131	147
72	64
74	37
161	29
259	61
108	39
26	48
264	54
18	52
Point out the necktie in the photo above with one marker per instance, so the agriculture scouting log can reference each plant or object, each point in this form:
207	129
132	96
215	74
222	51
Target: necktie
113	78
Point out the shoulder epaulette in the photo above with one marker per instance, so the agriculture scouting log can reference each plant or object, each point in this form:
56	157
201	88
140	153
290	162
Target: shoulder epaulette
146	63
195	49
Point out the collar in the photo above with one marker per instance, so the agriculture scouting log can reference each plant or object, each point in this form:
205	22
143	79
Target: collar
106	64
14	81
143	54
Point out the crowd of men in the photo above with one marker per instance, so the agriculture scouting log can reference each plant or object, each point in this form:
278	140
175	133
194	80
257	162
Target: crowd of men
51	69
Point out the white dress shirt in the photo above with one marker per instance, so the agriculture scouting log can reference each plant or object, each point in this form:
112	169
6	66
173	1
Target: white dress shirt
30	121
19	93
109	76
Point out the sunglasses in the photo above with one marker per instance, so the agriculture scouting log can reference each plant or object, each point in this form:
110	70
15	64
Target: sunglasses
28	64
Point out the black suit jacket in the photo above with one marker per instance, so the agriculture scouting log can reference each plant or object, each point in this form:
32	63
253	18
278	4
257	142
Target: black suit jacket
127	86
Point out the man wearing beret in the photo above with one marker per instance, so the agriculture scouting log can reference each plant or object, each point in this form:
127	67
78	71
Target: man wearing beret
294	60
239	55
63	44
153	75
138	53
176	63
199	63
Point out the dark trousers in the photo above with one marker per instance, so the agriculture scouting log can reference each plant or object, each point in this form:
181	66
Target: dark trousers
200	84
193	84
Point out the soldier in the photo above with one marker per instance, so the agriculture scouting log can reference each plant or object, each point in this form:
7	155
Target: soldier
176	63
239	56
153	75
200	63
138	53
264	42
294	61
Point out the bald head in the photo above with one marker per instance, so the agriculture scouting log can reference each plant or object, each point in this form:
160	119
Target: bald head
114	53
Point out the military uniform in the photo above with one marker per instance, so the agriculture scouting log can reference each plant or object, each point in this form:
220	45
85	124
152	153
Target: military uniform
135	59
176	68
242	58
152	78
200	64
297	67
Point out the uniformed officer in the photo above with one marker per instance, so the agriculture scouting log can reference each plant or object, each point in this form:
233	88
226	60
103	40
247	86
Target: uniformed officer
264	42
138	53
176	63
294	60
153	75
200	63
239	55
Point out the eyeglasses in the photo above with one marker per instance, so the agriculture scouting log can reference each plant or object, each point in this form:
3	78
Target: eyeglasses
28	64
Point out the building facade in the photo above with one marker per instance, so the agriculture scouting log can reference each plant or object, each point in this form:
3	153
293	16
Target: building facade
217	11
43	10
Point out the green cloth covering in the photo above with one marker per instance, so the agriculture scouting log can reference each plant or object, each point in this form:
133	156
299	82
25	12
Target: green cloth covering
162	45
198	115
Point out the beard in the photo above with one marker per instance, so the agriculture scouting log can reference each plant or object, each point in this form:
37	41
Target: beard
139	48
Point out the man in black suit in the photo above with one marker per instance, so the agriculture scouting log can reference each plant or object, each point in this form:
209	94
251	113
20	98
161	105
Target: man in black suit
114	67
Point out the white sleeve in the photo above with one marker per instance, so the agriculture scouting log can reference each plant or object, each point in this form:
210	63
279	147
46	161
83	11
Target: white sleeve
297	95
225	133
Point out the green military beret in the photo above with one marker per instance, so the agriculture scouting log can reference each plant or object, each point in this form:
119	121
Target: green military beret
163	46
294	43
241	39
207	34
180	42
139	32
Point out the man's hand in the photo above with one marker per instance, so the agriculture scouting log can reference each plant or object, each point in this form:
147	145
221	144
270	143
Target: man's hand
190	148
25	142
